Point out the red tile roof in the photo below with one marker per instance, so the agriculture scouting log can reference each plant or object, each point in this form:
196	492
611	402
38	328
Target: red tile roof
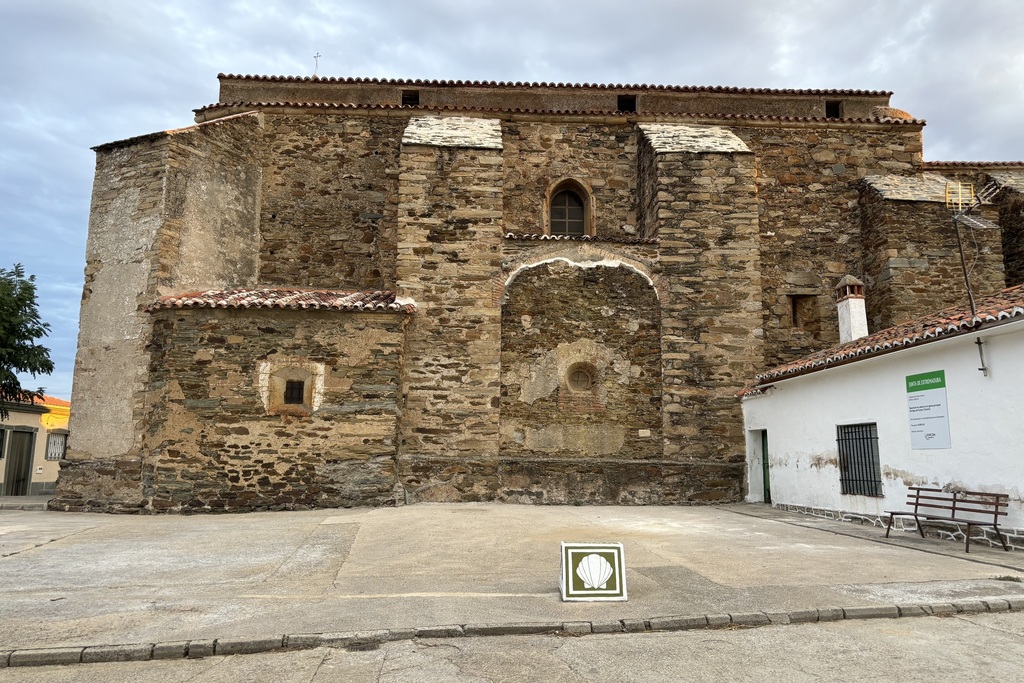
52	401
315	299
524	84
582	238
981	165
244	107
991	310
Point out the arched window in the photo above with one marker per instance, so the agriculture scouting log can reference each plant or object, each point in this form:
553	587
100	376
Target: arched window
569	209
568	214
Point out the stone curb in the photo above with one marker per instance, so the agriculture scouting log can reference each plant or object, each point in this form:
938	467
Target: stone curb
192	649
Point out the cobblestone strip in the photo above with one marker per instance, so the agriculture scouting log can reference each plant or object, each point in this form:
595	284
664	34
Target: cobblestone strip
364	639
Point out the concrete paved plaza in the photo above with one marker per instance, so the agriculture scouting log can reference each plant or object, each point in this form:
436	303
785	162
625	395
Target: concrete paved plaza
74	580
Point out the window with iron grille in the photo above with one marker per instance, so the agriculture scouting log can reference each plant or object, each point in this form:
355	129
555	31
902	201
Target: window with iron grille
859	471
56	445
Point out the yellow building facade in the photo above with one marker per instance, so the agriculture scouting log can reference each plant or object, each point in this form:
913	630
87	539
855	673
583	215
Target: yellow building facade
33	440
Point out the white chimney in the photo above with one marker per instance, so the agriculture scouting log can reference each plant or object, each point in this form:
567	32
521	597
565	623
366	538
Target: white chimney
853	318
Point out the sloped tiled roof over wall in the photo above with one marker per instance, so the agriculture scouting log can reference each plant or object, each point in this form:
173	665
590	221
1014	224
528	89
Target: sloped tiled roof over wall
453	131
671	137
296	299
990	310
928	187
1014	179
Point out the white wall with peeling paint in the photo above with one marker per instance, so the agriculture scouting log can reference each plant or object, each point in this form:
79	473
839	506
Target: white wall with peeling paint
986	422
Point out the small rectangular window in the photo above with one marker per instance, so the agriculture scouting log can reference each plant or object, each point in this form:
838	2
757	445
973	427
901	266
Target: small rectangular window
627	104
294	392
860	473
410	98
56	446
803	314
833	109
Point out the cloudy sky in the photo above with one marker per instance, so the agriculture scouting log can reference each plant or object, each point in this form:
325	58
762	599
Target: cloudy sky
78	73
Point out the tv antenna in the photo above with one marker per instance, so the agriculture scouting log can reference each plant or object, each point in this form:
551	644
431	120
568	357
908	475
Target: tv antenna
316	63
962	200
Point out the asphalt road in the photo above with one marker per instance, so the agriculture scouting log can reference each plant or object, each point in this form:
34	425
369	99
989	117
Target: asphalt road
984	647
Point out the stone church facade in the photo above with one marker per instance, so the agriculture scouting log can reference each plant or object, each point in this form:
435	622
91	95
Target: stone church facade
339	292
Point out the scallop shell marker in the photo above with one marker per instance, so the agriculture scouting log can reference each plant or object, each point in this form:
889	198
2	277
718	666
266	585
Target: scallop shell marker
595	571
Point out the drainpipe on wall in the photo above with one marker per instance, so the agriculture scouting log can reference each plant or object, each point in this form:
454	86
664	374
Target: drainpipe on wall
853	317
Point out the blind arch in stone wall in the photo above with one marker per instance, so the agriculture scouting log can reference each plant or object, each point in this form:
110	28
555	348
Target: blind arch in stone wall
581	380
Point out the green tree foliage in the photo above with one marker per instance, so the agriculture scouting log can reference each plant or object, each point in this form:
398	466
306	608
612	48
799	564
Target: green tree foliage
20	327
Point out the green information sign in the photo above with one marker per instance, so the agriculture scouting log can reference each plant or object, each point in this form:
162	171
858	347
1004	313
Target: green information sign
926	381
928	412
593	571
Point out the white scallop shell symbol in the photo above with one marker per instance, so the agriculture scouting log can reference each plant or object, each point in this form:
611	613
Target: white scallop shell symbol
594	570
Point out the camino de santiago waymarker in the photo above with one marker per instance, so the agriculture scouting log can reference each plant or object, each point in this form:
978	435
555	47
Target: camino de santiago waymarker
593	572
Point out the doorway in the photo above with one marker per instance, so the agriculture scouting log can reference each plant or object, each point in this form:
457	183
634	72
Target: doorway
18	470
765	478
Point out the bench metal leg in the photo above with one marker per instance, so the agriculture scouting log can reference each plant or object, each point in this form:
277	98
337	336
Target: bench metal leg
1002	540
920	528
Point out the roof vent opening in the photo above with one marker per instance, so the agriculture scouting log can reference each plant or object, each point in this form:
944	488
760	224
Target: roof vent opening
833	109
410	98
626	104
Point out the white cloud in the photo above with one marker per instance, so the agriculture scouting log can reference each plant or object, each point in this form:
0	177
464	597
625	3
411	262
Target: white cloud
82	73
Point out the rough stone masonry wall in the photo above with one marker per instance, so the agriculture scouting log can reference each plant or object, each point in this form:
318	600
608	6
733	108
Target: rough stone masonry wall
808	189
599	98
330	196
563	445
211	443
1011	219
170	212
449	250
646	189
711	318
601	157
102	467
210	235
912	264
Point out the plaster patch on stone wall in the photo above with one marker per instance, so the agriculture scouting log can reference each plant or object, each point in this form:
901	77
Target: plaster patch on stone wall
584	262
543	377
585	439
537	380
406	301
625	370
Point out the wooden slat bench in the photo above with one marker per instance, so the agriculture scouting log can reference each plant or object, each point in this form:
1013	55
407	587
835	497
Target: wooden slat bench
973	508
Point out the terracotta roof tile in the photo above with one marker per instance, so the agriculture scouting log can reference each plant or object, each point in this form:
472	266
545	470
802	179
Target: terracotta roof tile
52	401
307	299
524	84
991	310
980	165
582	238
